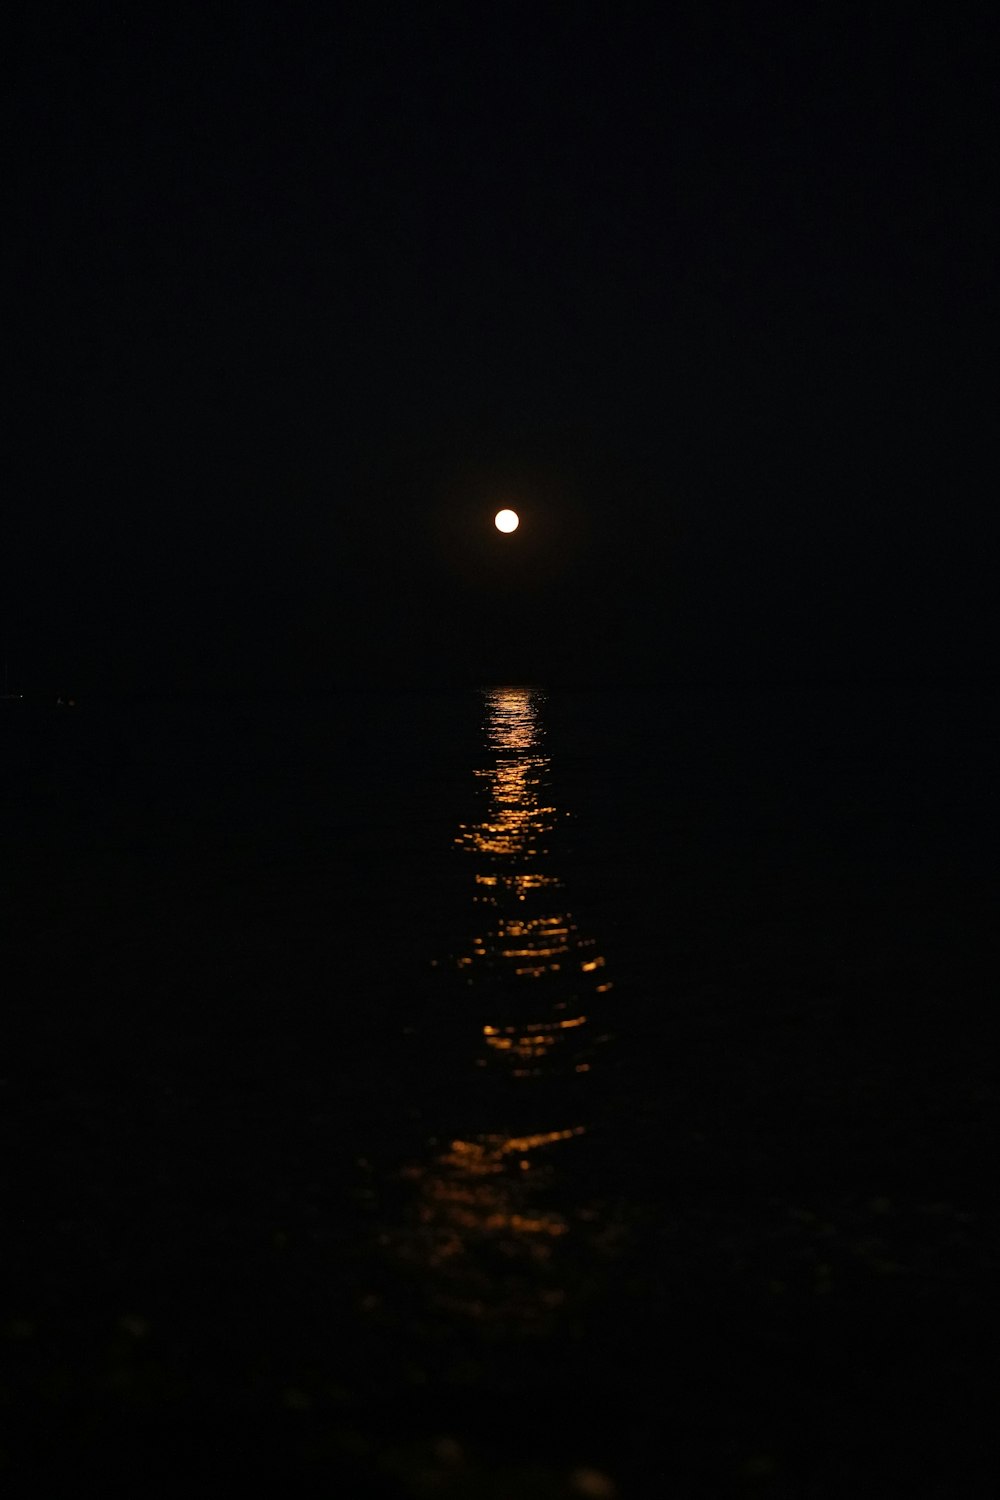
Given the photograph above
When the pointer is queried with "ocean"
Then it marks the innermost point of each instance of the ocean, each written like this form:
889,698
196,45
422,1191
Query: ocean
502,1092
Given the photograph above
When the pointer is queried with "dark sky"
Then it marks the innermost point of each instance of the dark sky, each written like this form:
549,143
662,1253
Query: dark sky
297,296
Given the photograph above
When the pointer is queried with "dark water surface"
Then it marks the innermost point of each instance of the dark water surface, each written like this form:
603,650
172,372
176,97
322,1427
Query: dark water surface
503,1093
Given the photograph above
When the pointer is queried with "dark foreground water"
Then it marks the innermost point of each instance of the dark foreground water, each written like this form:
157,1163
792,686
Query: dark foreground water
501,1094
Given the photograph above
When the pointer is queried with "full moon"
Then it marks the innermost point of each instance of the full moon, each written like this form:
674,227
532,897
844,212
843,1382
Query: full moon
506,520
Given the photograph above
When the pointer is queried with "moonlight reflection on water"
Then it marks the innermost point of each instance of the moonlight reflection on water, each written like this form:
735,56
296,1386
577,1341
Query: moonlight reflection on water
495,1226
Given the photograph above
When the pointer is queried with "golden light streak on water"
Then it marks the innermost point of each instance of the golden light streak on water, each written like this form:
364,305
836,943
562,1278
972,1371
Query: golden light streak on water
489,1213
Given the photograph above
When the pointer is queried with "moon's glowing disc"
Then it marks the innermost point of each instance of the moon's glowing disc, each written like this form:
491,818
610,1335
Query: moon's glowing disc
506,520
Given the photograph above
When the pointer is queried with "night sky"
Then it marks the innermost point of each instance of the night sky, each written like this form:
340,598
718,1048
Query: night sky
297,297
